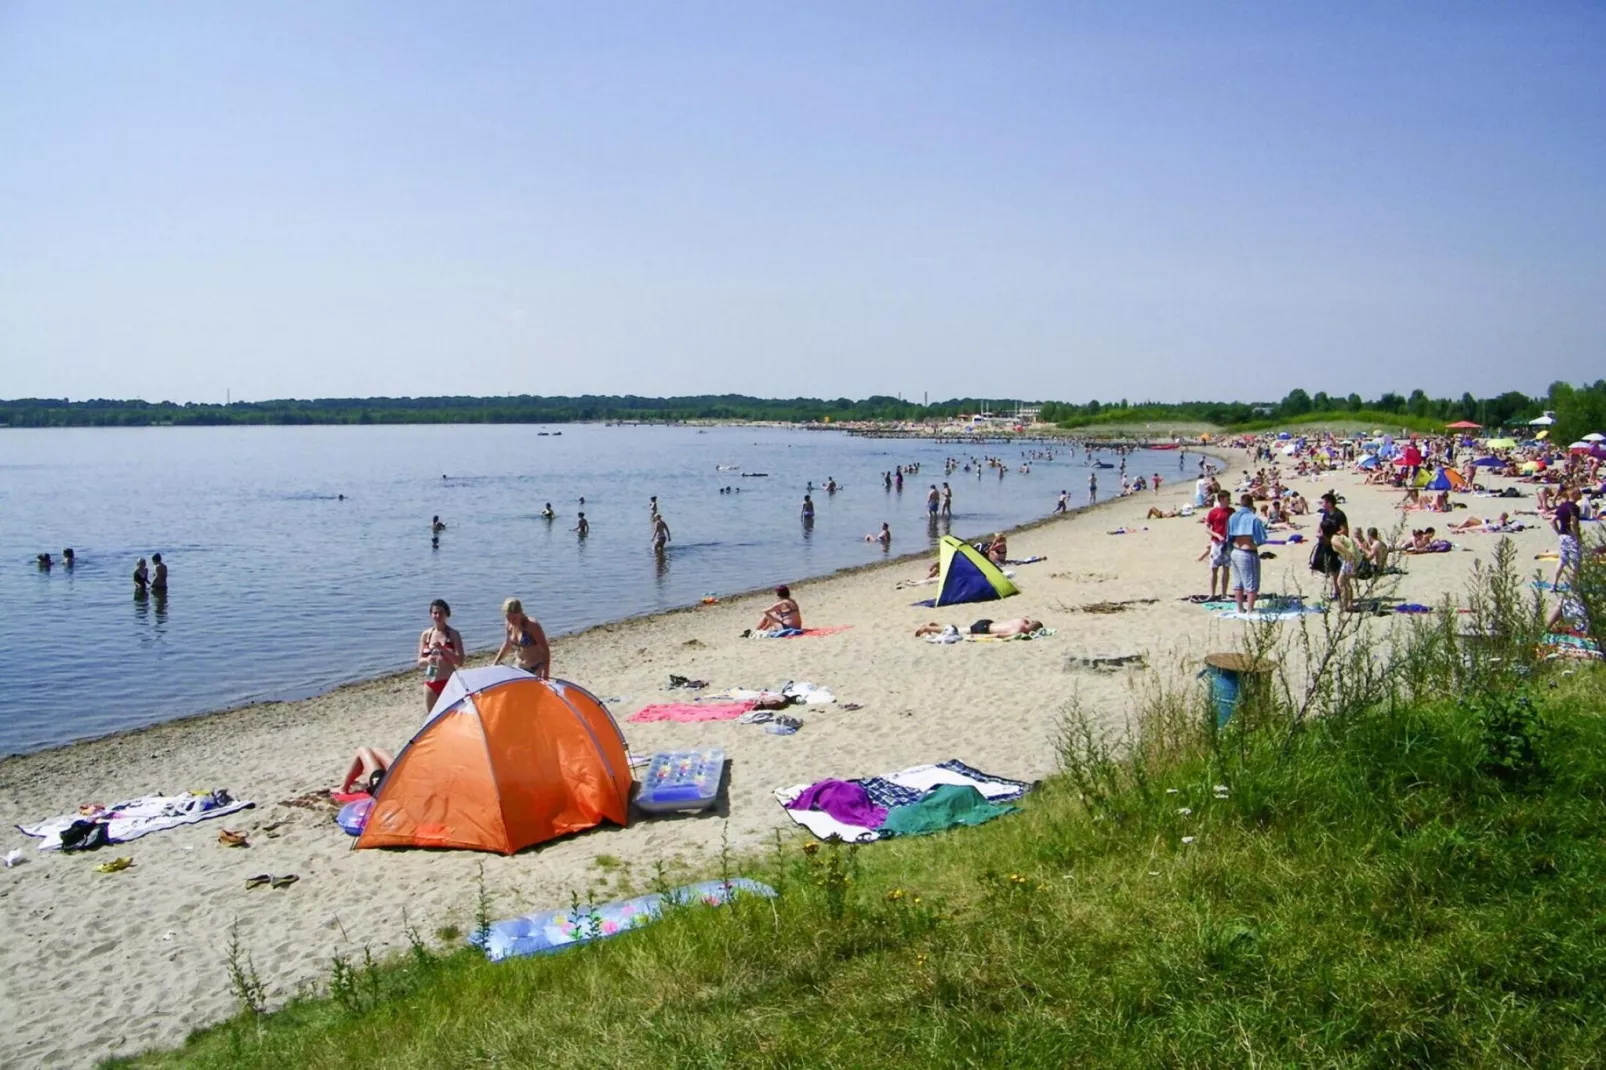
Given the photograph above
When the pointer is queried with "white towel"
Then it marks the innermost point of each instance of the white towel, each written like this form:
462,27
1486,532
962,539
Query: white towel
137,817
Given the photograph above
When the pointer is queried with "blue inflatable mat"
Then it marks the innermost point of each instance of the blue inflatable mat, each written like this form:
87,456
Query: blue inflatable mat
554,930
354,815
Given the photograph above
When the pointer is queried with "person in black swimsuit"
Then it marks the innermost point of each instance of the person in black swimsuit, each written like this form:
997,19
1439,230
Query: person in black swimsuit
526,639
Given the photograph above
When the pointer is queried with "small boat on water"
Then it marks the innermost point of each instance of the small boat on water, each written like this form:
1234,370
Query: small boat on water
542,434
726,467
1102,464
755,475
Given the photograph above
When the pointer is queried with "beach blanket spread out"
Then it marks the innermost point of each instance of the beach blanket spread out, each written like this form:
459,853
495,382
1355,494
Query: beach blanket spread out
687,712
554,930
95,826
911,802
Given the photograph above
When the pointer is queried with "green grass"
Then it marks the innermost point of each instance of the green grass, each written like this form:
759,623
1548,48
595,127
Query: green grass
1412,872
1365,420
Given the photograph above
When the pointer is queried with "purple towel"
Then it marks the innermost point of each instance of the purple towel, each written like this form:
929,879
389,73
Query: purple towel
845,800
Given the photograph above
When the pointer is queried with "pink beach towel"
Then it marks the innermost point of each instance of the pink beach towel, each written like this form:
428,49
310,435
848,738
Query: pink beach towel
831,629
687,711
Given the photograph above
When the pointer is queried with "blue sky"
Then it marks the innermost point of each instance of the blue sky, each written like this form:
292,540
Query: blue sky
1053,200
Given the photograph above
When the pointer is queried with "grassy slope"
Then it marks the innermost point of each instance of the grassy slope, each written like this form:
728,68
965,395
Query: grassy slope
1366,420
1370,893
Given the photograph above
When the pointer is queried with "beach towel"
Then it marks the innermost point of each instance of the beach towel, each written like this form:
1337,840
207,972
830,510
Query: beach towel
1555,645
1289,613
688,712
906,787
943,808
554,930
801,633
134,818
846,801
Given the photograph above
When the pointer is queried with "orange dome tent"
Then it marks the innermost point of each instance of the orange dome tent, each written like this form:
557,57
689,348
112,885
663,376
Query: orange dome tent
504,761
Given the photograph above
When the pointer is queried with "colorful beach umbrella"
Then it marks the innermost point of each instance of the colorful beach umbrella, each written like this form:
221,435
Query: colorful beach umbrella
1501,443
1463,425
1488,462
1595,436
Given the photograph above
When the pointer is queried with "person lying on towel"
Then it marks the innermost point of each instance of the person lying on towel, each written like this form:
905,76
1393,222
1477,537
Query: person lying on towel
367,769
1000,629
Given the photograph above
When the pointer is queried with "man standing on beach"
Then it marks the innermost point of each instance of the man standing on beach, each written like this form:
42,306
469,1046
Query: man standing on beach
932,498
1220,545
1247,532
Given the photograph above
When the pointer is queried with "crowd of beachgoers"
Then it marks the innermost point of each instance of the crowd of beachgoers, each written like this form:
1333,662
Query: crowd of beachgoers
1434,474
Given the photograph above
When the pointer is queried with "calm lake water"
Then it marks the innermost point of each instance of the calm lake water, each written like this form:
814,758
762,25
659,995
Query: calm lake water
280,589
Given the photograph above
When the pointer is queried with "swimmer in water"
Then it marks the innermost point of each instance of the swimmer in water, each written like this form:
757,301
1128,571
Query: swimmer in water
67,557
582,529
159,581
547,513
660,534
808,508
142,577
436,525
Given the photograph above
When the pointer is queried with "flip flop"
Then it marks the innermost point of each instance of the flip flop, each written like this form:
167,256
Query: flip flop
285,881
232,839
258,881
115,865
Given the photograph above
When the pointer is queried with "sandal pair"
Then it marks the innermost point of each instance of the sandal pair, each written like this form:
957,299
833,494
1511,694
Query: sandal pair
271,881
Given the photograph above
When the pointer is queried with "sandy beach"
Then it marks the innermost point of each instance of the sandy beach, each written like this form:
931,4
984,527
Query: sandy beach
100,964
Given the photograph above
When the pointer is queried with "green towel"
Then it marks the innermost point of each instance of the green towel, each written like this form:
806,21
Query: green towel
941,808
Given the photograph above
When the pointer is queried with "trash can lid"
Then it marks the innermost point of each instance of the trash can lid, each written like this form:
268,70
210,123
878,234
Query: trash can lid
1236,663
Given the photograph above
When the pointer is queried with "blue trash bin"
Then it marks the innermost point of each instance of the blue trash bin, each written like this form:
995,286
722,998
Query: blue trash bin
1230,677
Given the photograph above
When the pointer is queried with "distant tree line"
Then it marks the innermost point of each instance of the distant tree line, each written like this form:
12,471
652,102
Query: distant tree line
1579,410
522,409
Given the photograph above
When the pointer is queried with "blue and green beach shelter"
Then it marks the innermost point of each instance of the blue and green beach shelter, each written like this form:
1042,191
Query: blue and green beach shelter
964,575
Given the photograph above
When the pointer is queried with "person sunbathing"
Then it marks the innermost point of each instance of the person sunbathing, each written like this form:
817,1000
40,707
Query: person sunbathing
1000,629
1156,513
1425,541
783,614
998,549
368,768
1473,523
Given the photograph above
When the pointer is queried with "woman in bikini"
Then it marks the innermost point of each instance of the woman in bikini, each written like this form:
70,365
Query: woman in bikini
783,614
440,651
526,640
